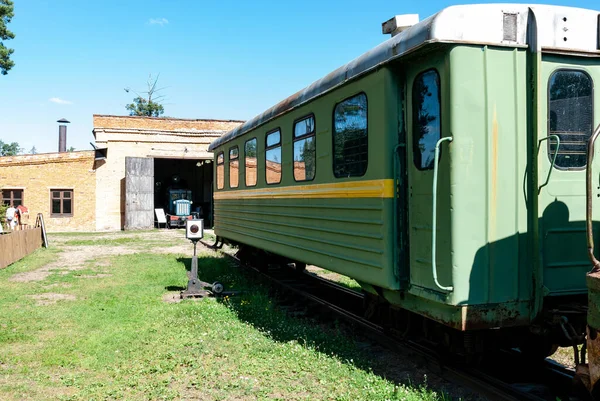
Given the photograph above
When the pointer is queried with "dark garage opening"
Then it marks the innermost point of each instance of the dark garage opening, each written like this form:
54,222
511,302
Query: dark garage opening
193,175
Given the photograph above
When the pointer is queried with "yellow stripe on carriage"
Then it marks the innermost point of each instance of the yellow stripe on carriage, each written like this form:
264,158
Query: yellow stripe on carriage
349,189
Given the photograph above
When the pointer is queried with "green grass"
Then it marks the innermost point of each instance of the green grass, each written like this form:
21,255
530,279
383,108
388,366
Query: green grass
340,279
136,241
78,234
105,241
118,339
40,257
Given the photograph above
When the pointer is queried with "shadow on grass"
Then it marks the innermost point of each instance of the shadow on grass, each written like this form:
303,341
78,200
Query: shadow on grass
187,262
263,306
174,288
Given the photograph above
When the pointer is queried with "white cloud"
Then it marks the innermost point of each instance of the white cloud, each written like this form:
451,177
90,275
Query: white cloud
58,100
158,21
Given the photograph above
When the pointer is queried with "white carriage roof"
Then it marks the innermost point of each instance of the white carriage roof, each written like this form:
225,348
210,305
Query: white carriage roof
562,28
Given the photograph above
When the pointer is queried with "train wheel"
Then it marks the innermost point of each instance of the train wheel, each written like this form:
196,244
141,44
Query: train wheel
217,288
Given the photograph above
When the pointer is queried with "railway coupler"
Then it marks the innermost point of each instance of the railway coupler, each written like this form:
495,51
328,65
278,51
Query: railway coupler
589,373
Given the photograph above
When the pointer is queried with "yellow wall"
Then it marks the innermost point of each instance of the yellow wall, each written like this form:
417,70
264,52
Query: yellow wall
38,174
127,136
99,188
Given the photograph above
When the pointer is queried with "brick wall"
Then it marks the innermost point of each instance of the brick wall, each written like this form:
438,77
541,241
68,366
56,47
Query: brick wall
38,174
164,124
99,186
126,136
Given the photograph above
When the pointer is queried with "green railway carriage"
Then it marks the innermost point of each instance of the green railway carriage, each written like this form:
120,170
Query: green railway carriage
491,232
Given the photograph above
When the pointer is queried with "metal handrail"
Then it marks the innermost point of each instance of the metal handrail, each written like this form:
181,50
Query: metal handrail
434,214
588,199
553,159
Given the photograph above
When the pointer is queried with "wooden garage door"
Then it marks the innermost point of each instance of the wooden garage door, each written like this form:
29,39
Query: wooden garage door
139,193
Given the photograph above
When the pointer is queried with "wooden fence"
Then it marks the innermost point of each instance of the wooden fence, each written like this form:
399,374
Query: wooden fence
16,245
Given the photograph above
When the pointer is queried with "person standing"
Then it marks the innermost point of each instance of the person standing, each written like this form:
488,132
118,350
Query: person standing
10,217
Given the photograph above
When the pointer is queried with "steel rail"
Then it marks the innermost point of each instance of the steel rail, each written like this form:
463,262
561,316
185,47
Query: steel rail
475,379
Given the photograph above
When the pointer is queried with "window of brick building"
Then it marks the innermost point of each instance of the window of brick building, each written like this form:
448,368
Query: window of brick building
14,196
61,202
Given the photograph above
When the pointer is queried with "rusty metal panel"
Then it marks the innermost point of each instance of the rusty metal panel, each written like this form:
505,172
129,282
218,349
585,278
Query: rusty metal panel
16,245
590,373
139,193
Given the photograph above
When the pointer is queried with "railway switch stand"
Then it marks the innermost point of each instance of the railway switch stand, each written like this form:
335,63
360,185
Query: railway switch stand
196,288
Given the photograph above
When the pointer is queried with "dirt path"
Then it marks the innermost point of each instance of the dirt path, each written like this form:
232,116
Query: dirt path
75,257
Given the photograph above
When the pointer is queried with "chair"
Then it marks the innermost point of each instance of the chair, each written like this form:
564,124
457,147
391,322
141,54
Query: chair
160,217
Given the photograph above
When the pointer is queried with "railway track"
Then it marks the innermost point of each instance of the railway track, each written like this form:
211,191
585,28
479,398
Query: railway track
510,377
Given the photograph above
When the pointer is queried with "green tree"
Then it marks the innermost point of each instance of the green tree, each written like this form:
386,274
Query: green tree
10,149
148,105
570,84
3,207
6,14
71,149
33,151
251,148
426,98
308,155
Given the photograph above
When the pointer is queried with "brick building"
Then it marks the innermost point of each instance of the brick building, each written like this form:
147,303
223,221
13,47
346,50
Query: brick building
61,186
177,147
173,151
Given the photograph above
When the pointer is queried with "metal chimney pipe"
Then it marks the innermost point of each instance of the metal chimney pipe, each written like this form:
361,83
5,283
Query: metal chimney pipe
62,135
62,138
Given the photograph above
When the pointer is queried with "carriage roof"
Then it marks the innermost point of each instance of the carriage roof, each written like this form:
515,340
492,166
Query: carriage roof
513,25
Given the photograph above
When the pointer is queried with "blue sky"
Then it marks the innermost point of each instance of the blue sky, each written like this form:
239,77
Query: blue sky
219,59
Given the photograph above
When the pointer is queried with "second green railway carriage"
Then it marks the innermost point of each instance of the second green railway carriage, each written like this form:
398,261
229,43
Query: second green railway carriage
491,232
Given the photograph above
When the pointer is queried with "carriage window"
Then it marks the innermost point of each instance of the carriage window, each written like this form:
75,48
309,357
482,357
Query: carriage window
350,144
304,149
234,167
273,158
570,116
426,118
250,162
220,171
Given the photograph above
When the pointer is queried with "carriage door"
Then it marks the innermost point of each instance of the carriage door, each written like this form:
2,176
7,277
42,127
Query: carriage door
568,114
424,115
139,193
